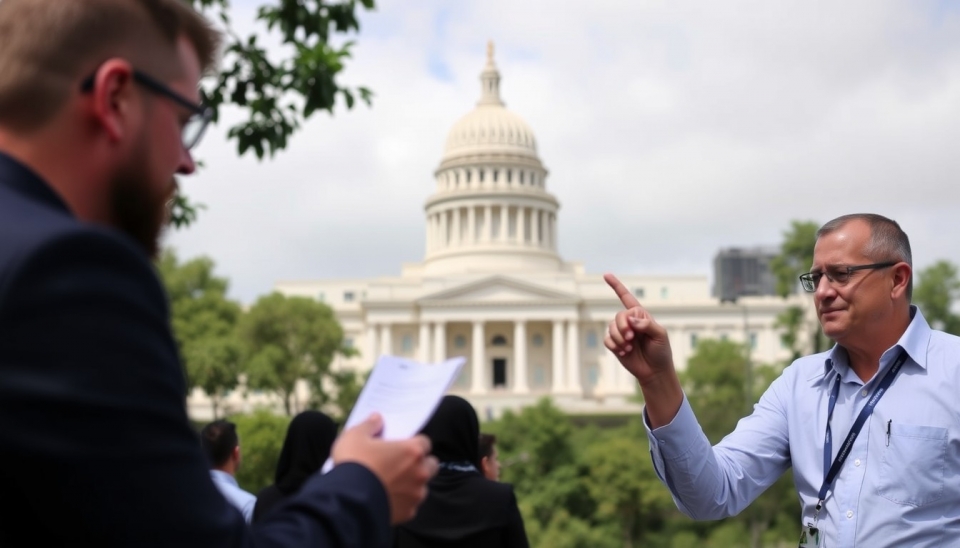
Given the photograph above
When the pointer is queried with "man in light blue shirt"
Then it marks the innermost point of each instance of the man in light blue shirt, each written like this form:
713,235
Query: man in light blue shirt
897,483
222,446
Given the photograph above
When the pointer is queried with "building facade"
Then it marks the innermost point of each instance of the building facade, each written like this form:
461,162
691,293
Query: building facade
493,288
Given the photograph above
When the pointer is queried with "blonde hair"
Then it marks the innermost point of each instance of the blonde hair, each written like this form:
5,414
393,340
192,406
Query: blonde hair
48,46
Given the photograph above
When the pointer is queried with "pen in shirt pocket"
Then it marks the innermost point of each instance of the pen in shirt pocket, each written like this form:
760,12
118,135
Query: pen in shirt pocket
889,422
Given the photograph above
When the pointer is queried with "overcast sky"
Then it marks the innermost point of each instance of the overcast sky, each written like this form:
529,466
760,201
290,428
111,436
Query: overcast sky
670,129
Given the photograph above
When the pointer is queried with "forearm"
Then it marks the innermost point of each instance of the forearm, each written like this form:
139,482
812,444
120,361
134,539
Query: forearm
662,398
714,482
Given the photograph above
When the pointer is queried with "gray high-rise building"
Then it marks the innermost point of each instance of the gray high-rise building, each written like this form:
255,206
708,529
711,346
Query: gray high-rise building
739,272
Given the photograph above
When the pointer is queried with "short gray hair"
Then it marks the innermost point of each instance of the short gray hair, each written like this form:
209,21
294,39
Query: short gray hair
888,242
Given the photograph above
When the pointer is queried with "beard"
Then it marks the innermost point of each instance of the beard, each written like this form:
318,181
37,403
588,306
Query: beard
137,210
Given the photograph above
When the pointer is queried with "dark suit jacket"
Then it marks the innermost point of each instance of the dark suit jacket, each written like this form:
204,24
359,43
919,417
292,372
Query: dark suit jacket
95,445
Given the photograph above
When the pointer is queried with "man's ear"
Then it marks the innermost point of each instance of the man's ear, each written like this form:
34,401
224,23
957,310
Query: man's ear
236,454
112,97
902,274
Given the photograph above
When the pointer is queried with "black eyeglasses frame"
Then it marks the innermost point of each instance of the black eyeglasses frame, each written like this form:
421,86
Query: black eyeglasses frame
203,113
811,280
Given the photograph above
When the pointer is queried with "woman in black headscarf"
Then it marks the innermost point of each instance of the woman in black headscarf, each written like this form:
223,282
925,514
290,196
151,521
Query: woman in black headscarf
306,447
463,509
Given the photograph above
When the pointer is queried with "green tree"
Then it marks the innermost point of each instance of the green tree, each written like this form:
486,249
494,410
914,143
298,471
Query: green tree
278,92
289,339
715,384
204,325
937,290
796,257
261,436
621,479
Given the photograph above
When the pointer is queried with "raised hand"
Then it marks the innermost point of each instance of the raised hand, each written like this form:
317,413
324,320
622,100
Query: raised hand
403,467
643,348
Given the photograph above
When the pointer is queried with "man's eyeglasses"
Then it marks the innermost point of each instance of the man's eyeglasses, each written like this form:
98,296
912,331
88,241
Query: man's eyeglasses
837,275
197,124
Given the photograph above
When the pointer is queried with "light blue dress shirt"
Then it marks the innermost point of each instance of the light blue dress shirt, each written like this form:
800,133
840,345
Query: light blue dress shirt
231,491
896,490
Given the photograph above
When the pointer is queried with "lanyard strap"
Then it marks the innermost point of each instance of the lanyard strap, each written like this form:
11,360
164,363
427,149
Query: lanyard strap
831,471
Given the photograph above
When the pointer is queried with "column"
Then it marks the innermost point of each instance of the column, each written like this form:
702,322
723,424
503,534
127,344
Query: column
443,230
504,211
608,371
477,365
424,343
559,385
386,340
521,225
372,349
535,227
472,225
573,357
520,357
488,224
439,342
455,237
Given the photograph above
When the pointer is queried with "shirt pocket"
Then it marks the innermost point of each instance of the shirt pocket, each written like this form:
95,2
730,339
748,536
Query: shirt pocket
912,464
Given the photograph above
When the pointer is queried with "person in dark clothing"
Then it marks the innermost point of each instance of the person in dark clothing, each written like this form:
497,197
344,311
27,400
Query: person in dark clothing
306,447
99,107
463,508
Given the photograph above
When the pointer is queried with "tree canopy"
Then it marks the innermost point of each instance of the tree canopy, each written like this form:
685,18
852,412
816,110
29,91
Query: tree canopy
204,324
936,292
288,339
278,90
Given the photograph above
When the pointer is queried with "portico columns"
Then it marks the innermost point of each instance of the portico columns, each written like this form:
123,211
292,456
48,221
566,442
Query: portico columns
439,342
386,339
424,344
573,357
476,361
520,356
559,384
372,350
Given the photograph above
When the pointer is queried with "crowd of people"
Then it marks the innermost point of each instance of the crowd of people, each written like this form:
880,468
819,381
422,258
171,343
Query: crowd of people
99,109
466,505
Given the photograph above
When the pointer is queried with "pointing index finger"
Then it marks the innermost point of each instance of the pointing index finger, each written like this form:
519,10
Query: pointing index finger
626,297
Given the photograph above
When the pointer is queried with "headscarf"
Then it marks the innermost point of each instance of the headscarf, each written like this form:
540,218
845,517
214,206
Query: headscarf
454,432
306,447
461,503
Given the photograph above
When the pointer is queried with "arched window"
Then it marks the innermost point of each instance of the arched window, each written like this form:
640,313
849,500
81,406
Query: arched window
521,177
481,175
509,176
496,175
498,340
468,176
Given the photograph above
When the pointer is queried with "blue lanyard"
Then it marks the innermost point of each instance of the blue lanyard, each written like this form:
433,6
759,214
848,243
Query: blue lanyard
831,471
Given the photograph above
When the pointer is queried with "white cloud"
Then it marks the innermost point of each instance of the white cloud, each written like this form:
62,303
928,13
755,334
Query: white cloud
670,129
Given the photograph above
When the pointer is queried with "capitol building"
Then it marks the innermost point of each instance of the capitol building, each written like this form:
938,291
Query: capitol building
493,288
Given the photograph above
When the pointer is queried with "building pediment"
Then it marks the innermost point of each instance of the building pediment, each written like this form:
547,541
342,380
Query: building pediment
497,289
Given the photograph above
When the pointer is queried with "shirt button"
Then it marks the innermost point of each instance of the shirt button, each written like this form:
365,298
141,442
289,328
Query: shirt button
856,462
863,392
849,514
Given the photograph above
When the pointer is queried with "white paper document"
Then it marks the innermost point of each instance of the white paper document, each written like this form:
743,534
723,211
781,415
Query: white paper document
405,392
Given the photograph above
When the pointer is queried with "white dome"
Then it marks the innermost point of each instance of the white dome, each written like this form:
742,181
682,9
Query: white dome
490,128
